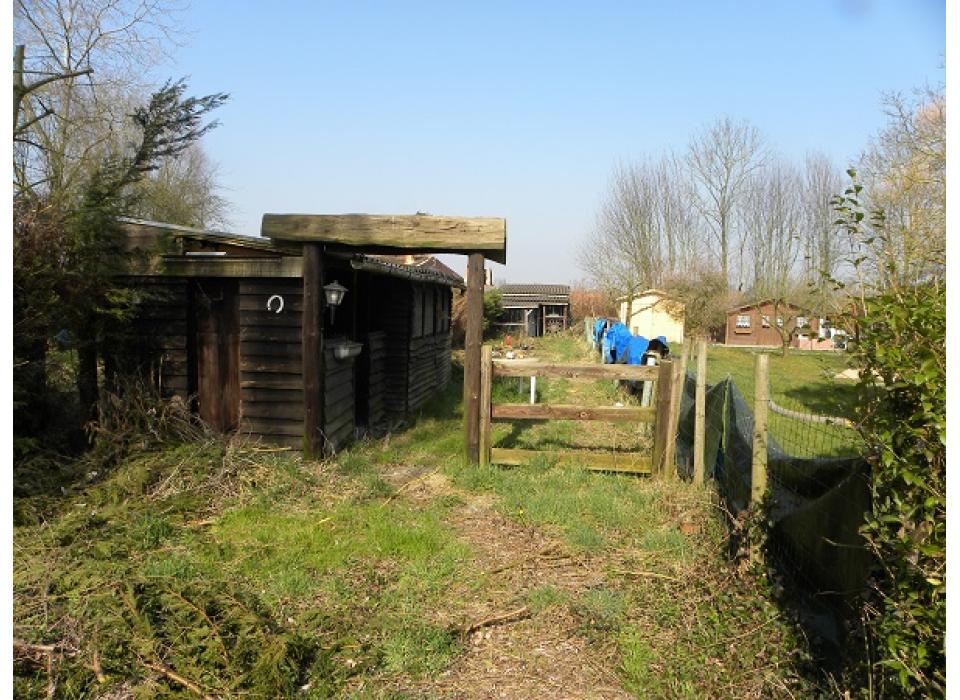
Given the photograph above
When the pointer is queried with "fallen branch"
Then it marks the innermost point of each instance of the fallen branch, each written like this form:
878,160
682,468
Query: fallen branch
22,646
518,614
648,574
164,670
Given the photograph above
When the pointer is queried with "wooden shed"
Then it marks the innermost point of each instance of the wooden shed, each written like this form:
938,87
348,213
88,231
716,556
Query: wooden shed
534,309
239,325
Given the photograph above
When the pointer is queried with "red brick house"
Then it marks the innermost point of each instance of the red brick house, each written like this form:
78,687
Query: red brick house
753,324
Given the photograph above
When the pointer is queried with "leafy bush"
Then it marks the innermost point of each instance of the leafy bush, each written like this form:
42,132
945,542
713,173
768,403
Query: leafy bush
903,355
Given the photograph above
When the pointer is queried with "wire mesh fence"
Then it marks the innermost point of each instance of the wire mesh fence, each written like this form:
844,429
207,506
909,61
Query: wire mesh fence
816,487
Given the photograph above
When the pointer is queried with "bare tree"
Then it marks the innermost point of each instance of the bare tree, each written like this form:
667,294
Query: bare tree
65,125
646,228
821,183
772,221
183,191
722,160
904,174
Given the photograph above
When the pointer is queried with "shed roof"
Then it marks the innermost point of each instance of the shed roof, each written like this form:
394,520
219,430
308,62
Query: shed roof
521,294
268,258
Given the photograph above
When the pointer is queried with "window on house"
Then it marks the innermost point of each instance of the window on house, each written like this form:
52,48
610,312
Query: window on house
765,321
743,321
780,321
801,321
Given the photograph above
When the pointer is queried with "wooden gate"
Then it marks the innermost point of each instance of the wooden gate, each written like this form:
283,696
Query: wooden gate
664,413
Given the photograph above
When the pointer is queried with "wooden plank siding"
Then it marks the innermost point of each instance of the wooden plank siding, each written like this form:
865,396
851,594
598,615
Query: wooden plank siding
158,347
376,349
271,372
339,401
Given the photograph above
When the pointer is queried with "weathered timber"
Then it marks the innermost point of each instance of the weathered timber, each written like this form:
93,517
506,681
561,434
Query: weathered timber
512,368
287,349
661,433
471,359
260,394
700,414
270,380
274,409
313,369
183,266
257,363
486,393
383,233
522,411
761,402
631,462
267,320
271,426
258,302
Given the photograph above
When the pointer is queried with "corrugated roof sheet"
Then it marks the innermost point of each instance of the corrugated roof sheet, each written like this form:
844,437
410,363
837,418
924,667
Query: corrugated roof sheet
540,289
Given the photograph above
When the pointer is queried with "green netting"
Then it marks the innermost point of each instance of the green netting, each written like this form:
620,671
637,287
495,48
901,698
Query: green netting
816,505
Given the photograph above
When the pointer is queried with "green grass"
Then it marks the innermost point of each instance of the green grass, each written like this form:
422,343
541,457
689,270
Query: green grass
802,381
254,574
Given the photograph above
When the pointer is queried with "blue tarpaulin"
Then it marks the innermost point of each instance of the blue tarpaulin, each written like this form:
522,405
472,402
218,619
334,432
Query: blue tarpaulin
635,349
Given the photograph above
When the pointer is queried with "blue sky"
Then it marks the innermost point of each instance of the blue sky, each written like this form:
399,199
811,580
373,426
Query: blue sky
521,110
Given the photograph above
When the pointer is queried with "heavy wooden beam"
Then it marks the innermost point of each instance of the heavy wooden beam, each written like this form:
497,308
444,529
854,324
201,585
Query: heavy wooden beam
520,368
397,234
313,356
471,356
522,411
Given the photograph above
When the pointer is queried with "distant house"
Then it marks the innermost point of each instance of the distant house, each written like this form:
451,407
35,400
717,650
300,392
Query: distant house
754,325
653,313
534,309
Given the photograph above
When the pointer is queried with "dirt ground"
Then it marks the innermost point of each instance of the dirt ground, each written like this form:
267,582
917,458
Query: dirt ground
512,650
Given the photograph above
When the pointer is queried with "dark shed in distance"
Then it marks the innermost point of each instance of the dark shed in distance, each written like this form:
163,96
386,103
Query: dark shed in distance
224,322
535,309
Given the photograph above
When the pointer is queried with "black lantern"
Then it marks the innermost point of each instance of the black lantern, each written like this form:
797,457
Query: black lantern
334,295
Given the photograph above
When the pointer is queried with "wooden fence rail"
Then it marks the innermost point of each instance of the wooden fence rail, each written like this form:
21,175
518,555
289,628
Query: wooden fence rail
664,415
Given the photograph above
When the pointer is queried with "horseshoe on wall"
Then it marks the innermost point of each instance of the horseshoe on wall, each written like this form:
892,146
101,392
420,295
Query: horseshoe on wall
279,300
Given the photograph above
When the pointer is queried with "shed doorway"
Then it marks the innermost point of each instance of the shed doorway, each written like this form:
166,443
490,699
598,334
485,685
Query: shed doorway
217,352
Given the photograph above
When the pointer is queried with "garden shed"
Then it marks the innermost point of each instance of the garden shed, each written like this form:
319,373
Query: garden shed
534,309
249,328
653,313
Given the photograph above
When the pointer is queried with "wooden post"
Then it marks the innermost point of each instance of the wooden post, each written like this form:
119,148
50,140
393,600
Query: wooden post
486,398
313,351
662,431
700,415
471,357
676,394
761,402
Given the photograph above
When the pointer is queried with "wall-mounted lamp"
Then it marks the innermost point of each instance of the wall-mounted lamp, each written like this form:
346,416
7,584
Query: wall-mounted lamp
334,293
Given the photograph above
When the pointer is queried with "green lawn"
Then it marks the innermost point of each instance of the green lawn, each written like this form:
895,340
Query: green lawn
803,381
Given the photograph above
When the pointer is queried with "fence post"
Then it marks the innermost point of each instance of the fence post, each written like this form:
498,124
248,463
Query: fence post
700,414
486,397
471,355
761,402
661,435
